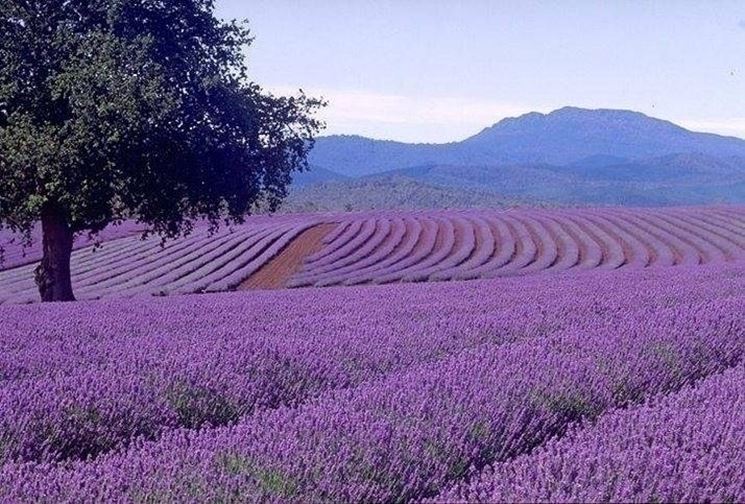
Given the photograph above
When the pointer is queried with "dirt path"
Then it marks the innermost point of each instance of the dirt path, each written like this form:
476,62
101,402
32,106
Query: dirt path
276,273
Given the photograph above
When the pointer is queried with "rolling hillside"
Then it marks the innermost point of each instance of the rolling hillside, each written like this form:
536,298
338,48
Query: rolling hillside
382,247
394,192
669,180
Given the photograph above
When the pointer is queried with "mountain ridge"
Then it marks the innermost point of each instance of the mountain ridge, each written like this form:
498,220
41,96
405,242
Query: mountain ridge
563,136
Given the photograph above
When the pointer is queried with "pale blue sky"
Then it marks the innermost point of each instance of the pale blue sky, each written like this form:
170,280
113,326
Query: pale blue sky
441,70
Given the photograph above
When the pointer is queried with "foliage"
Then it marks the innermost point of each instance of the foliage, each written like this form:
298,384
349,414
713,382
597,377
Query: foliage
112,109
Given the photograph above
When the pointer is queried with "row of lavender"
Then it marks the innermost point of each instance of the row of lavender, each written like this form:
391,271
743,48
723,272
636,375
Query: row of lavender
75,390
351,403
15,251
131,266
685,447
391,247
480,244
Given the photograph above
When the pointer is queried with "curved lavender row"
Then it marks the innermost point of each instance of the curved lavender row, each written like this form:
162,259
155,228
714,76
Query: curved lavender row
124,270
589,247
163,264
729,231
244,271
140,249
82,260
106,282
504,249
165,274
381,253
25,290
351,232
368,229
366,253
334,233
484,249
686,447
729,243
547,251
78,271
732,223
738,212
738,222
612,249
566,239
686,253
711,247
444,246
422,249
81,256
463,247
413,231
645,247
526,250
16,255
660,252
567,246
197,270
227,263
120,272
407,436
638,254
721,228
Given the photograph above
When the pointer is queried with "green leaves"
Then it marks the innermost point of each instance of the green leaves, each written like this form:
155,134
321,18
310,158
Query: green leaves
112,109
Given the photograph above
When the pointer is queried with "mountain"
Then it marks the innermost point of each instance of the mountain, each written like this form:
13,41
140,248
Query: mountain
565,136
570,134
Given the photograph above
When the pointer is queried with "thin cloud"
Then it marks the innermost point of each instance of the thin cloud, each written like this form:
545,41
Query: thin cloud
407,118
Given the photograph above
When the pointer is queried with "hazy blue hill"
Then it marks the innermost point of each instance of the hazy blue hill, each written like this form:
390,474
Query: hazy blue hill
668,180
565,136
570,134
674,168
316,175
599,160
356,156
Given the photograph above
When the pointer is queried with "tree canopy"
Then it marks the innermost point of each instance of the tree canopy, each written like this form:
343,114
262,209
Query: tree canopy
117,109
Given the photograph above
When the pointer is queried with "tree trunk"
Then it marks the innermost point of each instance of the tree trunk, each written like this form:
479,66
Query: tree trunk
53,274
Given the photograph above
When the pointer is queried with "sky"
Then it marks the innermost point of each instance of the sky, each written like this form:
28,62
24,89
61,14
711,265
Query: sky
442,70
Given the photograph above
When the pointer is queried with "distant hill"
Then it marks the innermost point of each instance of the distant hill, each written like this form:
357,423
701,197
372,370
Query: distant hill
392,192
316,175
668,180
561,137
571,155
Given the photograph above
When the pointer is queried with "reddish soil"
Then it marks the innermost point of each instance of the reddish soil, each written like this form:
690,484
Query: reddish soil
275,273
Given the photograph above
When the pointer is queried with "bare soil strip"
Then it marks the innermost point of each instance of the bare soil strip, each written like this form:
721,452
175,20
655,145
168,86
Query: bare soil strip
275,273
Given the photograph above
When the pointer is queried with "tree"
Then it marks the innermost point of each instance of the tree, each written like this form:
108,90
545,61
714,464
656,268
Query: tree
118,109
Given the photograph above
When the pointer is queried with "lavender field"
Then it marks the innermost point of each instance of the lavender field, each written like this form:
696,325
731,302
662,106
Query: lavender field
592,386
318,250
394,252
